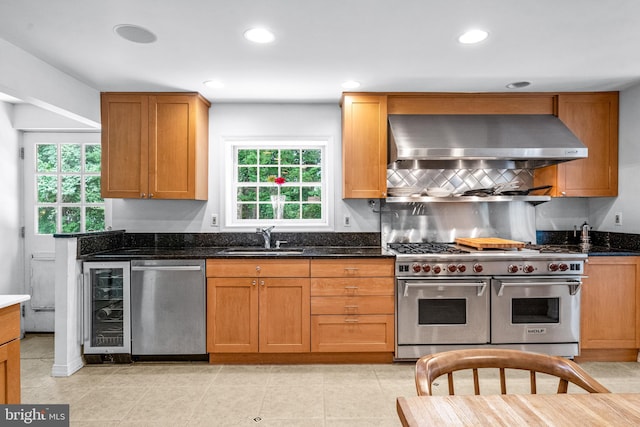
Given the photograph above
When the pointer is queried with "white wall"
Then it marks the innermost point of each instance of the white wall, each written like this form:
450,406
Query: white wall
249,120
11,251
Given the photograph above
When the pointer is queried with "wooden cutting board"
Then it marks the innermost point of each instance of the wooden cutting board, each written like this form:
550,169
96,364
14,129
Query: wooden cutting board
489,243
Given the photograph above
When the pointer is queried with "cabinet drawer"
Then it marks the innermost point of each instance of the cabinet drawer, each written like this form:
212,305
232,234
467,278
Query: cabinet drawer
349,286
353,305
9,323
352,333
353,267
258,268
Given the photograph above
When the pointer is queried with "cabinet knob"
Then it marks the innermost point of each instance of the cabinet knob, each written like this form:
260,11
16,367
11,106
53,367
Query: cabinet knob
261,282
143,195
254,282
151,195
258,268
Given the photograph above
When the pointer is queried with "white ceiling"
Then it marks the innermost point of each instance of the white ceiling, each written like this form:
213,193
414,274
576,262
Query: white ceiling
387,45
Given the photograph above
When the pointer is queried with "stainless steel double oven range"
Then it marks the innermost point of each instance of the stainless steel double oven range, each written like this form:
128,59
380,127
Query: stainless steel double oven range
451,297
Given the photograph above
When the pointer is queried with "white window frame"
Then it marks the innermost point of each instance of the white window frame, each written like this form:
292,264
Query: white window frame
231,145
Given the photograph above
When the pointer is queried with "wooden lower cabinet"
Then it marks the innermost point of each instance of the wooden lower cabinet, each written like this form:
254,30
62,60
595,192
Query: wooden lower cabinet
10,355
610,309
260,313
352,305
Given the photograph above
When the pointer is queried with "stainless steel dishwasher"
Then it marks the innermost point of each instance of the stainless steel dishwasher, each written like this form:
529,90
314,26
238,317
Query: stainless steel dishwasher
168,307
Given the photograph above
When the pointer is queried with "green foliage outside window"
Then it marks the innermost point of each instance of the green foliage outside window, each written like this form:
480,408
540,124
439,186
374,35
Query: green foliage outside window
68,188
300,167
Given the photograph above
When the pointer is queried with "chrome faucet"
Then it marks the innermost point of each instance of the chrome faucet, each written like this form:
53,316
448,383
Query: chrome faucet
266,234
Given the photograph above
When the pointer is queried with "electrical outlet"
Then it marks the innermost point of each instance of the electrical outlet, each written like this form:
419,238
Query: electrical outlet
618,218
214,220
346,221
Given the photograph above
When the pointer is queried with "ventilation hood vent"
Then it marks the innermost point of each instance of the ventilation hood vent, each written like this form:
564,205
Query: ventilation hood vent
480,142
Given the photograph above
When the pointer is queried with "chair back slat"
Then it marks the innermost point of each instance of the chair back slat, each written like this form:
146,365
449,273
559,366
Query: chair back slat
430,367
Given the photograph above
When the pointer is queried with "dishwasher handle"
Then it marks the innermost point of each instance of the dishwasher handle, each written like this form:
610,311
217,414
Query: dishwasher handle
166,268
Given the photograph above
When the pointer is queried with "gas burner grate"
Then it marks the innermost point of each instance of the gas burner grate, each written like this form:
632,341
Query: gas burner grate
425,248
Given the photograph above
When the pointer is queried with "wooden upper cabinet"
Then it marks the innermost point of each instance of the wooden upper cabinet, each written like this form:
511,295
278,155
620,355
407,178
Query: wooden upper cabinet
155,145
471,103
364,146
593,118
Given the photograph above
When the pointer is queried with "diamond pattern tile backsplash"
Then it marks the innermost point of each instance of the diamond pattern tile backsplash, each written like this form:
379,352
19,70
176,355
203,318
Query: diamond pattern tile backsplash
458,180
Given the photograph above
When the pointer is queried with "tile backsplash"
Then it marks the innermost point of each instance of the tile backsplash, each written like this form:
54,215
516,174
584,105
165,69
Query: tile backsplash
458,180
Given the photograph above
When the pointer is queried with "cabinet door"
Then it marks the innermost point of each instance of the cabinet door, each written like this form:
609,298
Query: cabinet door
285,315
173,142
232,315
610,300
125,145
593,118
364,146
10,373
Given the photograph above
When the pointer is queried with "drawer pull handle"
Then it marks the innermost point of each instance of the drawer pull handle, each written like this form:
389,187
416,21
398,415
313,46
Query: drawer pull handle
351,287
351,307
351,268
350,320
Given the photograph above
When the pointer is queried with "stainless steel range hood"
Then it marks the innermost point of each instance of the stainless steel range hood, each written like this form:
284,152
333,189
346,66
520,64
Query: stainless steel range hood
480,141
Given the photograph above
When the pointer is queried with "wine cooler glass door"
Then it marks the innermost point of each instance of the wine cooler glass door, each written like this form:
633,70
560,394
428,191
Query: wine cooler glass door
107,317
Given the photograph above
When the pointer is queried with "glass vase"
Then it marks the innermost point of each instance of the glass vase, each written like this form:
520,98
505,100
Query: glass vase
277,203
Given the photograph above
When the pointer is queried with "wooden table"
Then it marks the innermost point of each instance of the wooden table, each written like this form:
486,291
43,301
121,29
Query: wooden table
597,409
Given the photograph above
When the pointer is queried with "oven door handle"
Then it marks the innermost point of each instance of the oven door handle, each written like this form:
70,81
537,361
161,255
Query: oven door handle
574,285
481,285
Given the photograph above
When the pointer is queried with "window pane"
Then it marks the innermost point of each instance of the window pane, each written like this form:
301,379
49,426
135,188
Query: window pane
47,189
94,219
311,211
265,173
311,194
265,211
247,157
247,194
291,211
311,174
247,211
92,154
311,157
71,189
290,157
292,193
70,220
291,173
246,174
92,190
269,156
46,220
46,158
266,192
70,156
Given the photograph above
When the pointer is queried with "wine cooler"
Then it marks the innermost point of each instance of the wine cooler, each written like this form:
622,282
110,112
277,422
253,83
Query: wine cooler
107,312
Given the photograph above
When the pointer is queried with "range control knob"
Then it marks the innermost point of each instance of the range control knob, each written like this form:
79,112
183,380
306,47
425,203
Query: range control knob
477,268
563,267
528,268
437,269
553,267
462,268
452,268
512,268
416,268
426,268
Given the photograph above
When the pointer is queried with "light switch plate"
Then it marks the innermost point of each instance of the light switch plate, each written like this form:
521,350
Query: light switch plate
214,220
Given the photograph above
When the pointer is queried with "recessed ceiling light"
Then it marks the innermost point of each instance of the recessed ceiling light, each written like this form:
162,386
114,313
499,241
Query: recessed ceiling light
473,36
518,85
350,84
259,35
214,84
135,33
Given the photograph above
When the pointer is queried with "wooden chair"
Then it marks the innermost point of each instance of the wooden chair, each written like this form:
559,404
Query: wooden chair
432,366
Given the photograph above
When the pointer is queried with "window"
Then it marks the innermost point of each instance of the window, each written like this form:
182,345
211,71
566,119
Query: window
67,179
282,181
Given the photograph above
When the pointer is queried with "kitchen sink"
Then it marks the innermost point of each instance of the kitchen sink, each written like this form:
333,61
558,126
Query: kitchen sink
261,251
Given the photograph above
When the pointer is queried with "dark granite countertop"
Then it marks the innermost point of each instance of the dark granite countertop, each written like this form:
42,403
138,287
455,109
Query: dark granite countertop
220,252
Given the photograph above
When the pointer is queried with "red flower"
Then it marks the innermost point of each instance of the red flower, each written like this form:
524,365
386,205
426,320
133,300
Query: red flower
279,180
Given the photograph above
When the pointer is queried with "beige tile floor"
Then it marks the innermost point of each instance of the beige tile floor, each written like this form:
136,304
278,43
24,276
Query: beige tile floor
199,394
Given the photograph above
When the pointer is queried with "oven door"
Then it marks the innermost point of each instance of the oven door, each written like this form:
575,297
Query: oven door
442,311
541,309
